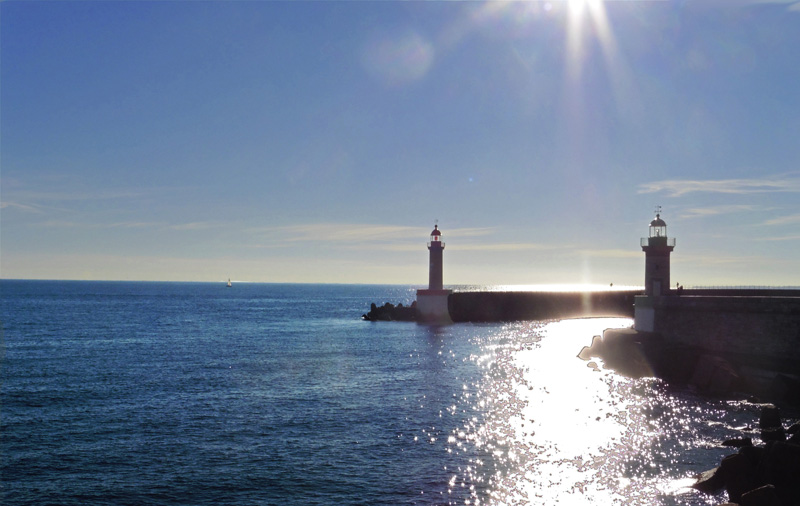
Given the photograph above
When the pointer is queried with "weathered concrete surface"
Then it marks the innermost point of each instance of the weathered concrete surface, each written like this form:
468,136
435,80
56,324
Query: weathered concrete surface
516,306
432,306
759,332
713,351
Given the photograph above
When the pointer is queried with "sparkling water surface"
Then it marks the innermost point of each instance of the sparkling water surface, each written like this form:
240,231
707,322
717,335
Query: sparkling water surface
195,393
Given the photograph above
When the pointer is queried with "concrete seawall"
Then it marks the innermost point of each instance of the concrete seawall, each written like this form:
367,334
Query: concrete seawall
516,306
716,342
756,331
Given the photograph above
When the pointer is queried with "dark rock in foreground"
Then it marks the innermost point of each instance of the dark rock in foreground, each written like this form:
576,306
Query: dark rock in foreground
766,475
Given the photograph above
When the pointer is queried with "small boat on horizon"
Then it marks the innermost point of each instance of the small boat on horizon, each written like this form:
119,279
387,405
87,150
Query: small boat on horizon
229,283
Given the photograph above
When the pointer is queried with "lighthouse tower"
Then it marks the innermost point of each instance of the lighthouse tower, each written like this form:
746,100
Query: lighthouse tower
432,303
436,247
657,248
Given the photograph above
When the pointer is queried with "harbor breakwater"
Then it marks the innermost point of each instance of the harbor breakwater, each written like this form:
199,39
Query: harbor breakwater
520,306
719,344
718,340
762,331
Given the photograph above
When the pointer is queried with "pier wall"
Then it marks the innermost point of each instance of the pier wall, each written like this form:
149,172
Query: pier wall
516,306
761,331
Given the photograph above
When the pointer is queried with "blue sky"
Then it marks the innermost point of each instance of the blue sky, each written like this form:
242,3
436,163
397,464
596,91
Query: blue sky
319,141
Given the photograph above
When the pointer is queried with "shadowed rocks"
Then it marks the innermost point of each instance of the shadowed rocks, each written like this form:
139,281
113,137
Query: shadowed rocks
767,475
390,312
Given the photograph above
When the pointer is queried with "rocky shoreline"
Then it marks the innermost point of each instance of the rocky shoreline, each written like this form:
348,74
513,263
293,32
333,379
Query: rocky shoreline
763,475
390,312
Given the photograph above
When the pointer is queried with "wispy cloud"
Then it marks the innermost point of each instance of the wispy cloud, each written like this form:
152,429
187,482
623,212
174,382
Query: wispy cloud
339,232
158,225
703,212
60,196
57,192
506,247
784,220
87,225
680,187
355,232
719,259
197,225
22,207
780,238
791,5
612,253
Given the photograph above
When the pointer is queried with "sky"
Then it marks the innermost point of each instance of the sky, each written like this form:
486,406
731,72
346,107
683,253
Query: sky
319,142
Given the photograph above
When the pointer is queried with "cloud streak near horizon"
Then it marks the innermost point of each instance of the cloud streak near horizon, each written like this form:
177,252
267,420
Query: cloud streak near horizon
784,220
349,232
680,187
703,212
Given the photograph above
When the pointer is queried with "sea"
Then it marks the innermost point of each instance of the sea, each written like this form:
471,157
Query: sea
151,393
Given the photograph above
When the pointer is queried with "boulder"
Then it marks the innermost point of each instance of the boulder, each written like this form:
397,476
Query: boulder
621,350
770,417
715,375
710,482
390,312
595,350
762,496
770,423
759,475
739,473
738,442
773,434
785,388
780,466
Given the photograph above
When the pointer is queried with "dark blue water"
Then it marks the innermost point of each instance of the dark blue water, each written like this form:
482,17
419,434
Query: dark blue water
194,393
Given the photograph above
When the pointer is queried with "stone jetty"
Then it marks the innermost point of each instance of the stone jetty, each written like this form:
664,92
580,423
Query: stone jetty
695,364
517,306
521,306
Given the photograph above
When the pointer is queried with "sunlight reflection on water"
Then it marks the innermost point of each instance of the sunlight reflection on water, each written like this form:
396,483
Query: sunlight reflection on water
555,431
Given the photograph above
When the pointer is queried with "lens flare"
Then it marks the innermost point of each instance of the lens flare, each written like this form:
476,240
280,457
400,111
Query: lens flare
399,59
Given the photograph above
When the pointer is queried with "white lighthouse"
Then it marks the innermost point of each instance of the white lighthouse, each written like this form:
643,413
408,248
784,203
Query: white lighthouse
432,303
657,247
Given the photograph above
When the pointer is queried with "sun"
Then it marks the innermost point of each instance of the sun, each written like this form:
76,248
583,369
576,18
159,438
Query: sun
587,11
586,26
578,7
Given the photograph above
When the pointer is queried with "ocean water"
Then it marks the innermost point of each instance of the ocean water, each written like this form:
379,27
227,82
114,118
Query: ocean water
268,394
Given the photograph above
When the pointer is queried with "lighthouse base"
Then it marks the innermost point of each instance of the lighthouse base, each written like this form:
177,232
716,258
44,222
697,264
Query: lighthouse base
432,306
